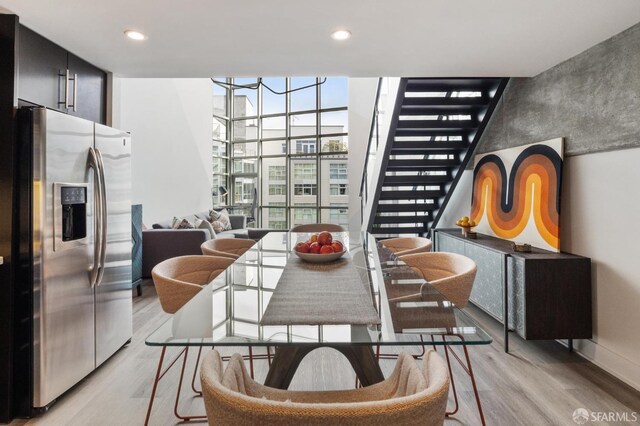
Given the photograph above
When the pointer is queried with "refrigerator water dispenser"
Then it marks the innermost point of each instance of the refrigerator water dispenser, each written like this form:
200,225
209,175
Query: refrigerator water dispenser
74,212
70,215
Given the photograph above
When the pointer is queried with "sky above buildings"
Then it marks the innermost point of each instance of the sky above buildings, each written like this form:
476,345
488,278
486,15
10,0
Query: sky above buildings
333,93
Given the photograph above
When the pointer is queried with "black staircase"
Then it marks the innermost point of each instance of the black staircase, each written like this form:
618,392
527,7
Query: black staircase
436,126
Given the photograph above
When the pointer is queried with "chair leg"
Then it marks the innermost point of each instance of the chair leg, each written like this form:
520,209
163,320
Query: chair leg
473,383
251,360
175,407
155,385
453,383
469,370
195,373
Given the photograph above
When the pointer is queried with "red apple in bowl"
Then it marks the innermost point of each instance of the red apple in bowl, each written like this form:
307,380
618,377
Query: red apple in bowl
325,238
337,246
302,247
326,249
314,248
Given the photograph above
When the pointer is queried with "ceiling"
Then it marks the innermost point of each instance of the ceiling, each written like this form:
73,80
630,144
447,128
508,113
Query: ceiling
428,38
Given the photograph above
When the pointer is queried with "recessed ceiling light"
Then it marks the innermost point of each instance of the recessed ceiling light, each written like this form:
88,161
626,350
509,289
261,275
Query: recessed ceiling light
135,35
341,34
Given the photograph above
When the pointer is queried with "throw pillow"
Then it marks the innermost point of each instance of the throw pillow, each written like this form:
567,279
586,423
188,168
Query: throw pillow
203,224
217,226
222,216
177,223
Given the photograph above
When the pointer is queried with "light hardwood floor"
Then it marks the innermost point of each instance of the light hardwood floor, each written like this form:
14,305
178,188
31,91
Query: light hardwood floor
537,383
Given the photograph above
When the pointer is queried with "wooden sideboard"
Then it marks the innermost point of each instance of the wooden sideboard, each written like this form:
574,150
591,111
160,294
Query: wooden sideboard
545,295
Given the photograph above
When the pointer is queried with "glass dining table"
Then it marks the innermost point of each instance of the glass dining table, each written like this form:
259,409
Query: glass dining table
229,311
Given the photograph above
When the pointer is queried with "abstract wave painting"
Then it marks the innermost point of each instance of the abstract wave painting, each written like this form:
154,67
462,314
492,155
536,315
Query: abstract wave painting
516,194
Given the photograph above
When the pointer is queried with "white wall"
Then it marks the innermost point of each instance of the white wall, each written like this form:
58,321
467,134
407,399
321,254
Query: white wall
460,202
362,96
171,128
599,219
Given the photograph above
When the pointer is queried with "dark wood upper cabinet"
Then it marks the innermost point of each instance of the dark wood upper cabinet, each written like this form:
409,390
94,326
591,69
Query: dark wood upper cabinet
43,80
88,93
41,64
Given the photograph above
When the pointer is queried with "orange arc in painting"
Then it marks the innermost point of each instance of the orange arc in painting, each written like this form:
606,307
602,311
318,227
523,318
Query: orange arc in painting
533,190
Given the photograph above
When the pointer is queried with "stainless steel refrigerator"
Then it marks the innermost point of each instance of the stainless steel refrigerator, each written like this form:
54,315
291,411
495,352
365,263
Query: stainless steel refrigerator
78,218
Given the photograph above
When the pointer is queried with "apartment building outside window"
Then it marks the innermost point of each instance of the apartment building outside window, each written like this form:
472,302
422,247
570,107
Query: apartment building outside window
277,189
277,173
339,189
291,147
303,171
338,171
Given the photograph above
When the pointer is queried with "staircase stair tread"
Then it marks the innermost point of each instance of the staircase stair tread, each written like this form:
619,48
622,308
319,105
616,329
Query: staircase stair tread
415,179
402,219
400,230
411,162
453,102
428,146
437,124
464,133
404,195
425,109
406,207
466,84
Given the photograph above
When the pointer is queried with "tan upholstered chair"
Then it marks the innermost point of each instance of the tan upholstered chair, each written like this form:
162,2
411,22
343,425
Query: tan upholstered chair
410,396
450,273
407,245
226,247
318,227
178,279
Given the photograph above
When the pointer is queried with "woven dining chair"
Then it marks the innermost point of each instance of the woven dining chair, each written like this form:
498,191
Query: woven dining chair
407,245
451,274
410,396
226,247
178,280
318,227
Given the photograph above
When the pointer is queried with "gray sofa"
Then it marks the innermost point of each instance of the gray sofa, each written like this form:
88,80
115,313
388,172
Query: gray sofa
162,242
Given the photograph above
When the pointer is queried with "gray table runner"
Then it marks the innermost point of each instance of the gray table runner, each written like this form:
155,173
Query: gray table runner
320,294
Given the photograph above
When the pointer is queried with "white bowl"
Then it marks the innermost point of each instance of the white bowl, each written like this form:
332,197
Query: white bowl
320,258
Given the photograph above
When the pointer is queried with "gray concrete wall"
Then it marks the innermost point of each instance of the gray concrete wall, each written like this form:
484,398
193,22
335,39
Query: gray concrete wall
592,100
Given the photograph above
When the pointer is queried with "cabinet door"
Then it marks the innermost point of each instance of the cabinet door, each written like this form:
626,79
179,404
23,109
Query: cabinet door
487,288
449,244
41,63
88,90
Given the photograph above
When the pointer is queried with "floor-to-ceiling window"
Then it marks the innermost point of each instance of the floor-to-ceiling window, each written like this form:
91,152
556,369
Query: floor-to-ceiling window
220,144
289,141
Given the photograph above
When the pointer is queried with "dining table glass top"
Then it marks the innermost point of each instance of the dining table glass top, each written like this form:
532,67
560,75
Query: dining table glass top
229,310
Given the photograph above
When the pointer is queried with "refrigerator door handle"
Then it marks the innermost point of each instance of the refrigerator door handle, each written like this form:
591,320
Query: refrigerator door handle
93,163
103,218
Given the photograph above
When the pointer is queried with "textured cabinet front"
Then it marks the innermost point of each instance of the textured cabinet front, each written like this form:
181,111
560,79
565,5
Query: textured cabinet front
449,244
517,308
487,288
